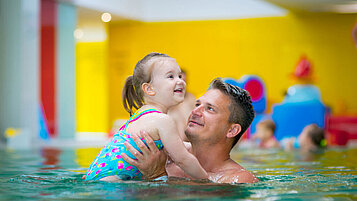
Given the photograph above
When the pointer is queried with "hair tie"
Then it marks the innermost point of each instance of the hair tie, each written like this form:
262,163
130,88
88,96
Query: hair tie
323,143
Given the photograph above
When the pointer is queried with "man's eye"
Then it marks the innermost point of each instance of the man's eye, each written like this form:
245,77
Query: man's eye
210,108
170,76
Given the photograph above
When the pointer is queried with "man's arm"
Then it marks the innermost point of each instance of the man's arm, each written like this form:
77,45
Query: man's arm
151,161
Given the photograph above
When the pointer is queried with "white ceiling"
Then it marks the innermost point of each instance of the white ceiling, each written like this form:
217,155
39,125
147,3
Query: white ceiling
93,29
181,10
190,10
332,6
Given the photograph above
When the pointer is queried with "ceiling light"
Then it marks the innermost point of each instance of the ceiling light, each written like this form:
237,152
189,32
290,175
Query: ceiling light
106,17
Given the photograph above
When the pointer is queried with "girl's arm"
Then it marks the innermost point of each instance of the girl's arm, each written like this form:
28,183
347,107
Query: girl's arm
176,149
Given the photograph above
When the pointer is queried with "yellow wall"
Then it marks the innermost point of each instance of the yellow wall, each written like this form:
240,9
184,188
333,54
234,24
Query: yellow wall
92,87
268,47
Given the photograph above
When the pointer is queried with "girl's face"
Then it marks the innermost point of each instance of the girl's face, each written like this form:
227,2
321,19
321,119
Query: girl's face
167,82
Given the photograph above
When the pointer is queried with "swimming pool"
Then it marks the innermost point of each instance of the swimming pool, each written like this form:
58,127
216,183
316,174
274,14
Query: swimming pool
55,174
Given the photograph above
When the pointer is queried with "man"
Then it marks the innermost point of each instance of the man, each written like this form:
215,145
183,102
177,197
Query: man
219,119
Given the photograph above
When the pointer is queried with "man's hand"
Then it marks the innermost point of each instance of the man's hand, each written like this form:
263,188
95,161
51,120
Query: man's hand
151,161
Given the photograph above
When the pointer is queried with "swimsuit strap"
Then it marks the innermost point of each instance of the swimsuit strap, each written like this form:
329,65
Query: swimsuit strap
137,116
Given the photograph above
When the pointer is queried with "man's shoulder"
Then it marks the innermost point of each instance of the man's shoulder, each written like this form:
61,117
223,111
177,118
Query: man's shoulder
234,173
239,176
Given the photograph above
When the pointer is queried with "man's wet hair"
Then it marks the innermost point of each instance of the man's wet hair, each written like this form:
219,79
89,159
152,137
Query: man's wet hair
241,108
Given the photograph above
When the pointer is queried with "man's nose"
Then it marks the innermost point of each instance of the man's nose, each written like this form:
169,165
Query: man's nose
197,110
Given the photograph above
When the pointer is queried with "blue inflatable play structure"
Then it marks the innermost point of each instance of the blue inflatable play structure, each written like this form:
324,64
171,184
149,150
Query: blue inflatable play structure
301,106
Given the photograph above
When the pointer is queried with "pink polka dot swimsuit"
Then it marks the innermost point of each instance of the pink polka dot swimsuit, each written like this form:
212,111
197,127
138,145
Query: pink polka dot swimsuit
109,162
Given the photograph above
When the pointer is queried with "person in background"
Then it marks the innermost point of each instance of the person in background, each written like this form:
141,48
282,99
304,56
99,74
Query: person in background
265,134
219,119
182,111
311,139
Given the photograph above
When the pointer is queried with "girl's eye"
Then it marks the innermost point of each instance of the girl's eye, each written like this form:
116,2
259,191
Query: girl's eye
180,76
170,76
197,104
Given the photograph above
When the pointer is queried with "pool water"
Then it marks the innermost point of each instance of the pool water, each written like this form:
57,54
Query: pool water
55,174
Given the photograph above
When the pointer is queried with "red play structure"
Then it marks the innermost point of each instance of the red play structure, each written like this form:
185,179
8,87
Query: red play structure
341,129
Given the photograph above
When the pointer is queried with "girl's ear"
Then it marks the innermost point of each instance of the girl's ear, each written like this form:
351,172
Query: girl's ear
234,130
148,89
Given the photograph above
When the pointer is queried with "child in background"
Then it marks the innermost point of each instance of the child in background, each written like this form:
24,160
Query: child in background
265,133
155,86
311,139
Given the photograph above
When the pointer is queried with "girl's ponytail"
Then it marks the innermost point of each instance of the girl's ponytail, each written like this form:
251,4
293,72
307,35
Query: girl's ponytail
130,97
132,93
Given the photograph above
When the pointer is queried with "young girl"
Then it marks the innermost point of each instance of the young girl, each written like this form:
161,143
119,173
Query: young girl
155,86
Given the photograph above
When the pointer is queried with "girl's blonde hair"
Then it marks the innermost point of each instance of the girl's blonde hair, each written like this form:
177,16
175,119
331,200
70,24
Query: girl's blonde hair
132,92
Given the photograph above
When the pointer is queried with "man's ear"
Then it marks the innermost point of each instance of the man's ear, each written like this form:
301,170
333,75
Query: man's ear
234,130
148,89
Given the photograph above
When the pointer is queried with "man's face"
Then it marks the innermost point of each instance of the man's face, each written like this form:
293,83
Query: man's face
208,122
